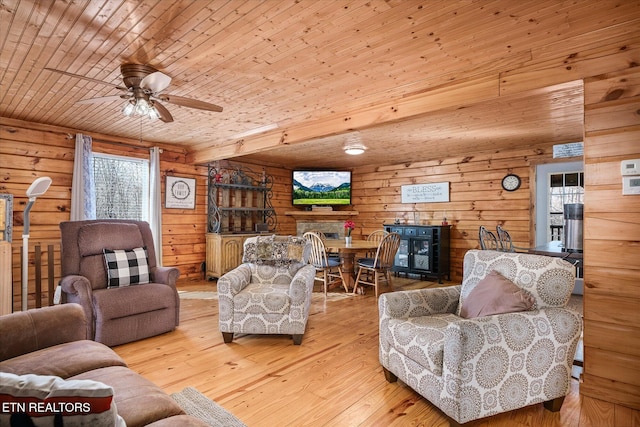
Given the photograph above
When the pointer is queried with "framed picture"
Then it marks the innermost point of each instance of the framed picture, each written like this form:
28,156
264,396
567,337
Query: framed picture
180,193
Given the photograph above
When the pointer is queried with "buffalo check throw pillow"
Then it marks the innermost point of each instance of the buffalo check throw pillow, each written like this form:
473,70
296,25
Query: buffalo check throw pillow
126,267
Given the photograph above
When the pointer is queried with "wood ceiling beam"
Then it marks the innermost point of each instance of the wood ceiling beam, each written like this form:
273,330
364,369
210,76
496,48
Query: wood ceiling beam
460,94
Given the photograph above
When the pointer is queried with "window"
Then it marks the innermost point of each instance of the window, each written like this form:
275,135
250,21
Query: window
557,184
122,187
564,188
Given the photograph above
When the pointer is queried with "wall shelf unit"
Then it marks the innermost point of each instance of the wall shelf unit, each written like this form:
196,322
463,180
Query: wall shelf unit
239,199
239,207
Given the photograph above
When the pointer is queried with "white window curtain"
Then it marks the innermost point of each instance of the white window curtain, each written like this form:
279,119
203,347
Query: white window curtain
155,202
83,193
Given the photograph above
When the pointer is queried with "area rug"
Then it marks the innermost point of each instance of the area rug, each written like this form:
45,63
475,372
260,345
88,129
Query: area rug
332,296
200,406
197,295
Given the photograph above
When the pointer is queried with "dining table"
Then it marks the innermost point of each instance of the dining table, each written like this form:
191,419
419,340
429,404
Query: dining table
347,253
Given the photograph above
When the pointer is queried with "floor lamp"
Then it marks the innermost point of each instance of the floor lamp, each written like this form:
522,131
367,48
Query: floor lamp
36,189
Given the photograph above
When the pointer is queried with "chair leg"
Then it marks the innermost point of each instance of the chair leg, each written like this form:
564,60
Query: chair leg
297,339
389,376
227,337
554,405
388,274
326,281
355,284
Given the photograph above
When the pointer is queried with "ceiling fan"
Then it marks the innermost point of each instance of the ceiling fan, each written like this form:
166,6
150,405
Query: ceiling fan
143,86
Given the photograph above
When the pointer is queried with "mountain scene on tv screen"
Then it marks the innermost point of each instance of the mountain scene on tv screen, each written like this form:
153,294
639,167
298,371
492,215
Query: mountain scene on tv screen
321,192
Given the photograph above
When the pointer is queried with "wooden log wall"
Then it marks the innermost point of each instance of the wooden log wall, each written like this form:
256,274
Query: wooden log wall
29,151
611,240
476,197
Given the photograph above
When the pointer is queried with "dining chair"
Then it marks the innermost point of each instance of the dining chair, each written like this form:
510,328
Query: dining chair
328,269
505,243
323,236
488,240
380,265
377,237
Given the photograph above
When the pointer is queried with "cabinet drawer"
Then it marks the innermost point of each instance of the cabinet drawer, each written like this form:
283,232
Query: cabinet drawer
425,231
398,230
410,231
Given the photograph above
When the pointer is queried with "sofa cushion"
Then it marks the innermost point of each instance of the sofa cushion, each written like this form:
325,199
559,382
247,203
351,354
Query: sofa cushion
114,303
94,237
263,298
139,401
421,339
126,266
63,360
495,294
50,400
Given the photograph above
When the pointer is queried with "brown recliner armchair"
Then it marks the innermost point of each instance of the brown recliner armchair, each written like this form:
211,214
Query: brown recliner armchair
116,315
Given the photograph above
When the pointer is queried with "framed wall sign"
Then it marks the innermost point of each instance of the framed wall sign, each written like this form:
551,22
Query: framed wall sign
425,193
180,193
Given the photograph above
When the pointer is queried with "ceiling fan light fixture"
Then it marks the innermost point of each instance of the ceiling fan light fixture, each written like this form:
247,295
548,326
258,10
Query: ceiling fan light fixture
129,108
140,107
153,114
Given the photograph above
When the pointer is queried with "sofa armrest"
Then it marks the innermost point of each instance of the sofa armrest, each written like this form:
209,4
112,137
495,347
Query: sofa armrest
419,302
302,286
165,275
28,331
230,284
77,289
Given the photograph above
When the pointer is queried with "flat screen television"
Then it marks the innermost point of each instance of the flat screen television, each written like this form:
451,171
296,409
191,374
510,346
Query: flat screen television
321,187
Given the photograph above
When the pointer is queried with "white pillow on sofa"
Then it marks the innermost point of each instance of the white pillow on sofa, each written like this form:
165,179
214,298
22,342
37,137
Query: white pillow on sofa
44,398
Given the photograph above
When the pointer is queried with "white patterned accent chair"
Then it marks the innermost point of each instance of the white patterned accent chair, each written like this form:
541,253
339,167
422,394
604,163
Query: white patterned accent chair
476,367
270,292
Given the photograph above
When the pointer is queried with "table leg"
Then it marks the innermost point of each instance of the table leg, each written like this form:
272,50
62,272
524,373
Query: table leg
346,266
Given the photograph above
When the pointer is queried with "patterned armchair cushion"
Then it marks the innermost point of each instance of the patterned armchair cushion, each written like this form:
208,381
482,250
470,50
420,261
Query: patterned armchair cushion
280,251
259,298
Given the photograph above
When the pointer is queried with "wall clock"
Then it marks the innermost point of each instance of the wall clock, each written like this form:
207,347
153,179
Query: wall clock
511,182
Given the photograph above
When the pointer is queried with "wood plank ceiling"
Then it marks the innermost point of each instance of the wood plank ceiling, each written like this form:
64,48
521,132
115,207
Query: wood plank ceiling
291,74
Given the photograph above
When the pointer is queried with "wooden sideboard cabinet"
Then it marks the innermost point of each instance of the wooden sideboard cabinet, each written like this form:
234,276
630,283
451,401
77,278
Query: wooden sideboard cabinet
224,252
424,250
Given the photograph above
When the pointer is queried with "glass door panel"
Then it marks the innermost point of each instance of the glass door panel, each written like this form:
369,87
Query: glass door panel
421,254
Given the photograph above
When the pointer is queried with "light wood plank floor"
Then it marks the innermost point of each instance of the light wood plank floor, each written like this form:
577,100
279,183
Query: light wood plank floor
332,379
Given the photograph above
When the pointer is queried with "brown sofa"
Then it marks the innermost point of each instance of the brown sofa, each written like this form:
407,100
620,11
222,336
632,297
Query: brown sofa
52,341
116,315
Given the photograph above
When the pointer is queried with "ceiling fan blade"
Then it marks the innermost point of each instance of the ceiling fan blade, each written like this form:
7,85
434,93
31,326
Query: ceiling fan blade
102,99
165,115
124,89
190,103
156,82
